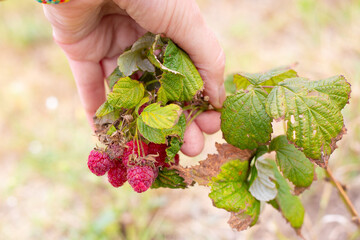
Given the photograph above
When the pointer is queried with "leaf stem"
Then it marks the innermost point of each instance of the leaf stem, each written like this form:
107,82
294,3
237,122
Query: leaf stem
187,107
193,117
267,86
151,82
345,197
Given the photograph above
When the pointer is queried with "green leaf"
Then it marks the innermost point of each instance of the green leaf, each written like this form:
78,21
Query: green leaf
275,76
179,129
263,188
244,121
159,117
158,44
261,150
171,88
104,109
229,190
111,130
269,78
177,60
114,77
336,87
243,80
313,113
292,162
159,135
151,134
290,205
130,62
136,58
127,93
144,42
173,149
169,179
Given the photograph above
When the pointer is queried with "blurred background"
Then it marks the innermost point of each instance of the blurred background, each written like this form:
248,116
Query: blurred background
46,190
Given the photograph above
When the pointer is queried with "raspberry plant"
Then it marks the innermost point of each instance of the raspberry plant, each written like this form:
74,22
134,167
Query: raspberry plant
142,123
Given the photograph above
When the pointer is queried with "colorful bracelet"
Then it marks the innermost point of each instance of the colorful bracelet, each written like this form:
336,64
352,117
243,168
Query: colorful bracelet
52,1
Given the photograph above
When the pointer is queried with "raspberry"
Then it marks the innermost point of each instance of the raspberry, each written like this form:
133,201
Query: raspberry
141,178
117,175
176,160
133,149
99,162
161,150
115,151
141,109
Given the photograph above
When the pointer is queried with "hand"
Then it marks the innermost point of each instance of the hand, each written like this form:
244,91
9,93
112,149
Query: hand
94,33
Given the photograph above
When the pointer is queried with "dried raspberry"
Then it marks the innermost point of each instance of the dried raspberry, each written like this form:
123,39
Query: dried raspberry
99,162
115,151
141,177
117,176
133,149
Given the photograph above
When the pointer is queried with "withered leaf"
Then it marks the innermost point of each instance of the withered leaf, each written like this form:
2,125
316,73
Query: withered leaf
240,221
210,167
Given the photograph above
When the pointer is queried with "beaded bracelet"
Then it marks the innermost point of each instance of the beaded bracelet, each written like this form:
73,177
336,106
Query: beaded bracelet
52,1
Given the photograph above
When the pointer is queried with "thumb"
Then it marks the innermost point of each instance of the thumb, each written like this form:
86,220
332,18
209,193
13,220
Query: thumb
181,20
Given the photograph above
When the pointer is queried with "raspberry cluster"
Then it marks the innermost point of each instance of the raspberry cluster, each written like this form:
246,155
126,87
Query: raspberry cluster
138,163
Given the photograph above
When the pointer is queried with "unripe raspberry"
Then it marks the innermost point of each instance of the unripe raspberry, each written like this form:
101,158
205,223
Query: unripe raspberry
141,178
133,149
99,162
117,176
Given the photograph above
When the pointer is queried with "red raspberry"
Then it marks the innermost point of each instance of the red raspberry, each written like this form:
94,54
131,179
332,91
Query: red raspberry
133,149
141,109
117,176
160,149
141,178
99,162
176,160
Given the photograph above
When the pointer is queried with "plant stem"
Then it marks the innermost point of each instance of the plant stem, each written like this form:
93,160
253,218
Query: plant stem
345,197
268,86
151,82
193,117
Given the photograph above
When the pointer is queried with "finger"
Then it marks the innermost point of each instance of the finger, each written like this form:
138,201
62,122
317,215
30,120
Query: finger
76,19
90,84
193,141
209,122
181,20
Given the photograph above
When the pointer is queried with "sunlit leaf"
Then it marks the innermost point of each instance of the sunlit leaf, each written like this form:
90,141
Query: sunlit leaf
127,93
160,117
313,113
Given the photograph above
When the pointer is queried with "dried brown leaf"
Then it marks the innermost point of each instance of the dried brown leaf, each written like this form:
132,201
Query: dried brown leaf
240,221
210,167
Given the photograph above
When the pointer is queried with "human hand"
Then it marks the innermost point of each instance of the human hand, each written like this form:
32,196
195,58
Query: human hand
94,33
